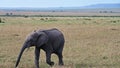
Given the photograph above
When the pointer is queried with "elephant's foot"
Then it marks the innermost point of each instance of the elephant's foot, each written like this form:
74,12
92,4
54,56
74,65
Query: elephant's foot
51,63
61,64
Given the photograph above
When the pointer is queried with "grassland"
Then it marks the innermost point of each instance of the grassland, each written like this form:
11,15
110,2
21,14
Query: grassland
91,42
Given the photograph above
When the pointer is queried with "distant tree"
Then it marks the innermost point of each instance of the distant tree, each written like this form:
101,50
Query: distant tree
11,13
105,11
53,11
7,14
111,12
100,11
26,16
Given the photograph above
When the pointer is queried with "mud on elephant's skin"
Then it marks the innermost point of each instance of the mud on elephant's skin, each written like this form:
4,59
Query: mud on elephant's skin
51,41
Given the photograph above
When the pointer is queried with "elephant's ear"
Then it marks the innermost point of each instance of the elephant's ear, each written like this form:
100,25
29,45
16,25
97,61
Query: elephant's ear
41,39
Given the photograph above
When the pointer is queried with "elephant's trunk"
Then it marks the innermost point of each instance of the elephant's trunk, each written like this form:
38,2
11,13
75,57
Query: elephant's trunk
20,54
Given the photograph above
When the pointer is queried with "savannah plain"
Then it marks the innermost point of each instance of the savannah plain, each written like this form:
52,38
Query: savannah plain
90,42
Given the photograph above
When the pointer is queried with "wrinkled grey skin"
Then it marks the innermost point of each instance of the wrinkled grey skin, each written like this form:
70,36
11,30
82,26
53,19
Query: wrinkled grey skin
51,41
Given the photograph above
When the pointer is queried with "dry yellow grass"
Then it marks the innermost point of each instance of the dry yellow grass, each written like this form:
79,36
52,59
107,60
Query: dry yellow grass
91,42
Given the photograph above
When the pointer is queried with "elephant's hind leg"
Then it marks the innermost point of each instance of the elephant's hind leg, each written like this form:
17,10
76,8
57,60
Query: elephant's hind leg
60,58
48,58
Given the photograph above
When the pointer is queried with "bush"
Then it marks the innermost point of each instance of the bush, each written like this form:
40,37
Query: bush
1,21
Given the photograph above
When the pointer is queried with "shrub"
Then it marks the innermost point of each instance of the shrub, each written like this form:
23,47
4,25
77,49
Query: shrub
1,21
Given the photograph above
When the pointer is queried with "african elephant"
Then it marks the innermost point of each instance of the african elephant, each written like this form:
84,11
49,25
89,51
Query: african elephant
51,41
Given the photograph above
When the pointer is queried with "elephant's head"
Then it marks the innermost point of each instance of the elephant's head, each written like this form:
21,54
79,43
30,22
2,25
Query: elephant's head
36,38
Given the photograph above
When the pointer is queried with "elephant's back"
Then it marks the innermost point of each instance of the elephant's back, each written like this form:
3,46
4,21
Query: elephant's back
54,35
53,32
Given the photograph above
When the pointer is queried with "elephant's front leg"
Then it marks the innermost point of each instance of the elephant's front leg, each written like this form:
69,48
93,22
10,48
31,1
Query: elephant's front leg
48,58
37,54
